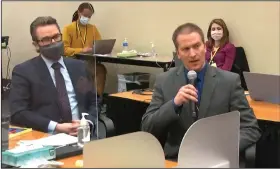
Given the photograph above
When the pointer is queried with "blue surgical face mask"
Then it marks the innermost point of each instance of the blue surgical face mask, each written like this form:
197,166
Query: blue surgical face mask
84,20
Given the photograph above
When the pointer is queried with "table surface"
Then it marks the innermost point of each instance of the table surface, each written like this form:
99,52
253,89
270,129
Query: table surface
263,110
68,162
165,59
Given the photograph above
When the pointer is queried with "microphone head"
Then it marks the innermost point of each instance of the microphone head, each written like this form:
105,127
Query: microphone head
192,75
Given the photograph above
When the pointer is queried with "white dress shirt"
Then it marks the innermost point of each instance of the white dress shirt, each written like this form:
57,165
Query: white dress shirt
69,88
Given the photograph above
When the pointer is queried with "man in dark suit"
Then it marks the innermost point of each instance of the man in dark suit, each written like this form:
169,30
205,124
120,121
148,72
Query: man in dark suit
49,92
216,91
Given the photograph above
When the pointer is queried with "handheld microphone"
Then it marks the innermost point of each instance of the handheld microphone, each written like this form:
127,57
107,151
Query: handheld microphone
192,77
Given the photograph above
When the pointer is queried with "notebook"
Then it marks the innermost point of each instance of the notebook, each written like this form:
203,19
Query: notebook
16,131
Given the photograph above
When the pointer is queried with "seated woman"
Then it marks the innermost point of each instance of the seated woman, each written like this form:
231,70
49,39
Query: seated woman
79,36
220,52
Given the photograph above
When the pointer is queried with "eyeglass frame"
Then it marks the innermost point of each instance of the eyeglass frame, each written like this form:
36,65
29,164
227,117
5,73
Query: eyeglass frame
50,40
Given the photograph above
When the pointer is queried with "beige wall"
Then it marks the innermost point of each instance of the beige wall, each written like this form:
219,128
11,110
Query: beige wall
253,25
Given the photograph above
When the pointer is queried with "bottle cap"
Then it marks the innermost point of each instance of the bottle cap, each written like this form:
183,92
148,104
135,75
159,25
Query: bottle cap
84,120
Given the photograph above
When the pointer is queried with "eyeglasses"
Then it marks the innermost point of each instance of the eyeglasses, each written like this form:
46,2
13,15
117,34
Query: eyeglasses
49,40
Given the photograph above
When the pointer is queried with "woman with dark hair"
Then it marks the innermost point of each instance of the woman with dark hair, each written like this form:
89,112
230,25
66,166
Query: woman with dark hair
219,51
75,16
79,37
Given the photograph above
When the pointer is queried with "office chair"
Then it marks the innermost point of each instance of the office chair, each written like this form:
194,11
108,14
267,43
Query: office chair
247,158
250,156
106,127
240,65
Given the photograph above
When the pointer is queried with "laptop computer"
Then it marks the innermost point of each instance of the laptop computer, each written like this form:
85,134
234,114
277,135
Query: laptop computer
103,47
263,87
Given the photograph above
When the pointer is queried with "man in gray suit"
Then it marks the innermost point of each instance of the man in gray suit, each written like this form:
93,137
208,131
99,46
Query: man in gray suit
216,91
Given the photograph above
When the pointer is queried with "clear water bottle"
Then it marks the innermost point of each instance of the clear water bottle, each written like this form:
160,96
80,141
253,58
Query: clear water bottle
125,45
153,50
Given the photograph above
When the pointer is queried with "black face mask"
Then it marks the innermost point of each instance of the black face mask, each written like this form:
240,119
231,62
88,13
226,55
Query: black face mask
52,51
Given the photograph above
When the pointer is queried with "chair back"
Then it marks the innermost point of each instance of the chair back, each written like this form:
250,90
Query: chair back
105,127
240,65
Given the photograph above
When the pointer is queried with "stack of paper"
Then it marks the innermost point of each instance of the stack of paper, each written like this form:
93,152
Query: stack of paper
60,139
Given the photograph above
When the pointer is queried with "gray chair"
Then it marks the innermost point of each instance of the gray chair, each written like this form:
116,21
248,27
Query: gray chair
247,159
250,157
106,127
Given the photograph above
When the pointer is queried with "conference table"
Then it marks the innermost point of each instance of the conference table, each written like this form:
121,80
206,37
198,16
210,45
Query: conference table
164,62
263,110
126,110
68,162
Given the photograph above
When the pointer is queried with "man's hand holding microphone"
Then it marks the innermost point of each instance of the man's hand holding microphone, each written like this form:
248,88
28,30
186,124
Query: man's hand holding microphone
185,94
188,93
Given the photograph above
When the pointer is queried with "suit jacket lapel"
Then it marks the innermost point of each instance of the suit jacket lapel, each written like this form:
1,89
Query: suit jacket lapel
45,76
180,79
208,88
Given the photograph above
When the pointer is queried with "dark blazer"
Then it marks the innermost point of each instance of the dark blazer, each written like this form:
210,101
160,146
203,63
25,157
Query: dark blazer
222,93
33,97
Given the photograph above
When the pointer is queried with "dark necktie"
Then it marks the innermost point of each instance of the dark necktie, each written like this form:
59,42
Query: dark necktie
62,94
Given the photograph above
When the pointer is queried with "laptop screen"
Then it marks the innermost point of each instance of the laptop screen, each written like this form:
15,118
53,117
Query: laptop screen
103,46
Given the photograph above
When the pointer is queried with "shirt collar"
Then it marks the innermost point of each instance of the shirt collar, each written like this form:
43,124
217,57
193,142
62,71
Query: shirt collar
49,62
200,74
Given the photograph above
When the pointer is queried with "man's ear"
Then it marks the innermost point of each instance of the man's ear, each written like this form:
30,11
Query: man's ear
35,44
